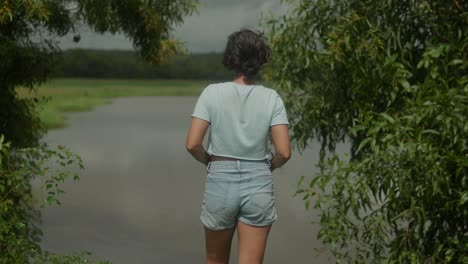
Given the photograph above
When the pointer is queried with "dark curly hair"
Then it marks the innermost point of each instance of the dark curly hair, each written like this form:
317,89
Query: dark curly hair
246,51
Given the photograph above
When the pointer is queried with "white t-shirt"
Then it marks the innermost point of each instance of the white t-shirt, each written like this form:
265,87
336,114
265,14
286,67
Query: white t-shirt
240,117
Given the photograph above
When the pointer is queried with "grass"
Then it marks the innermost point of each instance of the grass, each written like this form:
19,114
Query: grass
59,96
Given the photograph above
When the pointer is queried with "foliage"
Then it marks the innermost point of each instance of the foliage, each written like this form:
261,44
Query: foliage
147,23
119,64
18,118
390,77
19,230
28,52
28,49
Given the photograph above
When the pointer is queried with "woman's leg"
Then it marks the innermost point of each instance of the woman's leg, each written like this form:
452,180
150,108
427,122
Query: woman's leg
252,243
218,245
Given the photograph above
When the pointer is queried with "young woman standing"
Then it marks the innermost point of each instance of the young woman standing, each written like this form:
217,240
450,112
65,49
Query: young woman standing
239,185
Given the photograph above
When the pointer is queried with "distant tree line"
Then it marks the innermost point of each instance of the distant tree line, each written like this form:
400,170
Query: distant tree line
90,63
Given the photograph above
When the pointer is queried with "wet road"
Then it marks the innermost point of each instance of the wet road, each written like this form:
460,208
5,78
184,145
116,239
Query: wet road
139,197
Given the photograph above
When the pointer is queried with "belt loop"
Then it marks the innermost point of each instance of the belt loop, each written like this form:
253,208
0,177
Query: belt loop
269,163
208,166
238,165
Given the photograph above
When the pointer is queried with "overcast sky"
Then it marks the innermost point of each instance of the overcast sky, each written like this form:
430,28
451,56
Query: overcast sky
204,31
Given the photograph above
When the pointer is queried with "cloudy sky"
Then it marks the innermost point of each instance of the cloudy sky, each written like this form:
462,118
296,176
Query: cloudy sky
204,31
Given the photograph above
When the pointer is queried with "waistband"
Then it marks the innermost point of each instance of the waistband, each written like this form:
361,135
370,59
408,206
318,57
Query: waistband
237,164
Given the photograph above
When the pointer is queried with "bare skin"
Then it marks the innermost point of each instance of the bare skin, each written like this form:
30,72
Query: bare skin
252,243
252,240
218,245
195,137
241,79
280,138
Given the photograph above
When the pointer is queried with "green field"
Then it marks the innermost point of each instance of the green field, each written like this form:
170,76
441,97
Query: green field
59,96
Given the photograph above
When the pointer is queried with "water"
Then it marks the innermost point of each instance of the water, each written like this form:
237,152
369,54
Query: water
139,197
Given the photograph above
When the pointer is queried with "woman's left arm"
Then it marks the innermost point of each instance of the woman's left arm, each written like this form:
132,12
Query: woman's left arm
195,137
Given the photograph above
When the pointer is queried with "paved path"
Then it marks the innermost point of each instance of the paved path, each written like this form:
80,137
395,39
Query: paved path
139,198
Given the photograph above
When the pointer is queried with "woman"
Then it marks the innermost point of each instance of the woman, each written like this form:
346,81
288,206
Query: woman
239,187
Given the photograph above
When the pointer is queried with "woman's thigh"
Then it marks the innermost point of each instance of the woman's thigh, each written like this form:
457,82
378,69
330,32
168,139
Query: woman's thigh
252,243
218,245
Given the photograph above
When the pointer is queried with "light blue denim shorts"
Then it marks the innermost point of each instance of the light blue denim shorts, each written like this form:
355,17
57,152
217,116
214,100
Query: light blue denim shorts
238,190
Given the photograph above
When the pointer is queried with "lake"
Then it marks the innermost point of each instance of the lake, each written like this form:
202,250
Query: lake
139,197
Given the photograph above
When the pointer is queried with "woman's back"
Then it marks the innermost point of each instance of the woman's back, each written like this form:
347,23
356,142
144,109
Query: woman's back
240,117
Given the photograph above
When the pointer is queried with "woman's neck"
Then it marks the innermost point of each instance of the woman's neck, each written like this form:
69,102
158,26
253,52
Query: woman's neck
241,79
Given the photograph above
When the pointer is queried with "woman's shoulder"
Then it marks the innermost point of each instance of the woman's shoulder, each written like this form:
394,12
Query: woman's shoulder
215,86
268,89
222,87
219,84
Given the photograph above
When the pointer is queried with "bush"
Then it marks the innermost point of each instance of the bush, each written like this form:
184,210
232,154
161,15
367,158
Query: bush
19,217
390,77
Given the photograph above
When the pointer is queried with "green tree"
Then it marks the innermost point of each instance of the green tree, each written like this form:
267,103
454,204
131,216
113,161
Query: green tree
28,53
389,77
28,47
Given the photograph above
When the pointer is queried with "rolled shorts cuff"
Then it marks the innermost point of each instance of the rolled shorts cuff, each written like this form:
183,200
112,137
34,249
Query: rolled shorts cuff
217,227
258,224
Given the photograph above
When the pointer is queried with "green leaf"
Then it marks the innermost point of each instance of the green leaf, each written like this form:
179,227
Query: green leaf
301,180
363,144
50,199
76,177
463,199
313,182
421,64
405,84
388,117
430,131
455,62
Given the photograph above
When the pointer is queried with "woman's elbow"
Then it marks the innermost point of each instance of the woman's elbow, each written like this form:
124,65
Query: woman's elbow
285,155
191,147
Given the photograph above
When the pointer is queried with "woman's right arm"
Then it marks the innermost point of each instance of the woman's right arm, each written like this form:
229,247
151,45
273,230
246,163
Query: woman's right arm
280,138
195,137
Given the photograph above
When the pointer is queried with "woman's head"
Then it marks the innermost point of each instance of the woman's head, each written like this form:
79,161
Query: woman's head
246,51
